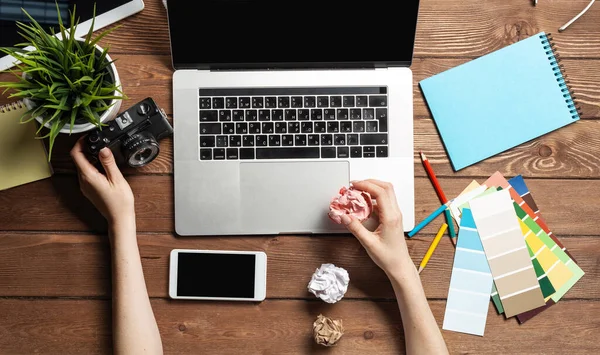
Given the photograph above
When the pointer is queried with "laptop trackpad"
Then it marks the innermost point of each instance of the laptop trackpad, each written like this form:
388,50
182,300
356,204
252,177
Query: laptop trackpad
290,197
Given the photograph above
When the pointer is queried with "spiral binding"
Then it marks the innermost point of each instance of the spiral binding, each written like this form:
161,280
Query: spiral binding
11,107
561,77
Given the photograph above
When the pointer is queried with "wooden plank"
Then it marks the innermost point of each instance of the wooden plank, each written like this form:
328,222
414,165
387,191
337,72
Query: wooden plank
68,265
279,327
56,204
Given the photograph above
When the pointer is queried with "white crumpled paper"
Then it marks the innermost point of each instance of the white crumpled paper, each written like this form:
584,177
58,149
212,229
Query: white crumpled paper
329,283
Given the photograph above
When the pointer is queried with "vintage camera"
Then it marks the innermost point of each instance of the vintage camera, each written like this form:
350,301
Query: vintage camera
132,136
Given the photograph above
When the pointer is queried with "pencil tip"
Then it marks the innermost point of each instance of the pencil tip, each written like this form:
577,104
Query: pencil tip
420,269
423,156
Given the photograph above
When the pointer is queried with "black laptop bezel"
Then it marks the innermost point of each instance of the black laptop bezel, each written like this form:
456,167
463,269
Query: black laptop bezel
293,65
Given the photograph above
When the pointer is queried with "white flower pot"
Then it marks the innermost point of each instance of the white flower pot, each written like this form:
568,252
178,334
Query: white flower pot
106,116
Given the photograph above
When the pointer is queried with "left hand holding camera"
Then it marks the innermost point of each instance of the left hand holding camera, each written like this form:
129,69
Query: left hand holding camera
110,193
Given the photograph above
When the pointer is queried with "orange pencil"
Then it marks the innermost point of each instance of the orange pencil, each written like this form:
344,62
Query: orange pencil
434,180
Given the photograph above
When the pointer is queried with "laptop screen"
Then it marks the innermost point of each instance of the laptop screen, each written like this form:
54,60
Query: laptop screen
297,33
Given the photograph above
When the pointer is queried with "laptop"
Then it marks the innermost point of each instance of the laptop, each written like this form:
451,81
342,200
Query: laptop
277,105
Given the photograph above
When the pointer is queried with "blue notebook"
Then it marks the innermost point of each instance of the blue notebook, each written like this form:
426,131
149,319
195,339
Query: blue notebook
501,100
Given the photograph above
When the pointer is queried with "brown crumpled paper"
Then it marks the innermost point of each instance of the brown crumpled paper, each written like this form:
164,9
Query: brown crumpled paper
327,331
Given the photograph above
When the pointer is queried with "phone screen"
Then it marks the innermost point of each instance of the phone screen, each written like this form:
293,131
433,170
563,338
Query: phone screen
216,275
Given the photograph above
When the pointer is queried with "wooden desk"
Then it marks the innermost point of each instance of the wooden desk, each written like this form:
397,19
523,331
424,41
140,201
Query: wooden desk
55,263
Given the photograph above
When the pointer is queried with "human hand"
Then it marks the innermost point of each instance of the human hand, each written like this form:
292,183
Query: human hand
110,193
386,245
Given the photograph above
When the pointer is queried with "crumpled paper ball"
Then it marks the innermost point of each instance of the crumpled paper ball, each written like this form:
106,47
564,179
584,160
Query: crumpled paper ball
327,331
355,203
329,283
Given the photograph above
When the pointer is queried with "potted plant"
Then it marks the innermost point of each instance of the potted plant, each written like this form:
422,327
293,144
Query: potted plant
69,85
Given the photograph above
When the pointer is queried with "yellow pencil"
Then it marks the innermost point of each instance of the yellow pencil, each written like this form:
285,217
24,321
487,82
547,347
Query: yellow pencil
432,247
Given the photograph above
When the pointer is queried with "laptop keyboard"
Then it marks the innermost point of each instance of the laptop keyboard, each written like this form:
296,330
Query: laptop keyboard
293,123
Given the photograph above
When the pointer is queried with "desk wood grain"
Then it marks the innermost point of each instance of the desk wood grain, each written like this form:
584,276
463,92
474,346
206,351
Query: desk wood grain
54,256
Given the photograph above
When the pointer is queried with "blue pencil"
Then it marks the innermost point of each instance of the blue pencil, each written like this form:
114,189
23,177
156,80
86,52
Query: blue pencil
426,221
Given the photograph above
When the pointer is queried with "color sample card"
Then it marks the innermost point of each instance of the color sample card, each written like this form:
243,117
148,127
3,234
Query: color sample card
470,283
463,198
506,252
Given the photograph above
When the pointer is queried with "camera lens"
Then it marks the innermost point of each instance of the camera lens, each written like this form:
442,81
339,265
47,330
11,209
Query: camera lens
140,149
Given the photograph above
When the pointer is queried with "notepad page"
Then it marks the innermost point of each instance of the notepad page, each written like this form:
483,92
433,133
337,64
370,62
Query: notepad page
498,101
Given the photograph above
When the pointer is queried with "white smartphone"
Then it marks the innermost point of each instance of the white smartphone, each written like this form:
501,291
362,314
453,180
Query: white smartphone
219,275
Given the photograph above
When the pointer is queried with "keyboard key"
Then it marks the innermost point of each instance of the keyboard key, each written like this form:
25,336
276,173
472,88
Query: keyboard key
244,102
218,102
228,128
352,139
382,116
251,115
231,102
368,113
290,115
355,114
232,153
326,139
219,153
207,141
356,152
241,128
210,128
283,101
316,114
264,115
339,139
235,141
258,102
303,115
262,140
343,152
320,127
267,127
323,101
328,152
248,141
277,115
209,116
310,101
342,114
313,139
288,153
348,101
293,127
372,126
306,127
300,139
238,115
274,140
224,115
362,101
222,141
374,139
346,127
297,101
253,127
333,127
247,153
358,126
271,102
335,101
382,152
377,101
205,103
368,152
280,127
205,154
287,140
329,114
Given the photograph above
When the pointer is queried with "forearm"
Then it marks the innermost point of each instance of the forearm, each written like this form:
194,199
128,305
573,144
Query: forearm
134,326
421,332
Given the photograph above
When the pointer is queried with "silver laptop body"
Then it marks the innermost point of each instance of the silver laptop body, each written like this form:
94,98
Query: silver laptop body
273,166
